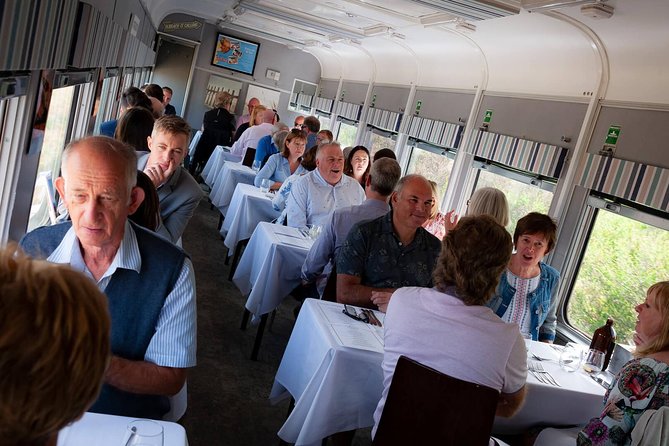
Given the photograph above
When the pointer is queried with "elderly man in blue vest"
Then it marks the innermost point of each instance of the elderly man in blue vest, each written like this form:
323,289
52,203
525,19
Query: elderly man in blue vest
148,281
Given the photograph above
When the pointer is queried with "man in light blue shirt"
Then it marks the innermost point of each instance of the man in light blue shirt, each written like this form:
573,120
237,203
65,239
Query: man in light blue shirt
380,183
315,195
148,281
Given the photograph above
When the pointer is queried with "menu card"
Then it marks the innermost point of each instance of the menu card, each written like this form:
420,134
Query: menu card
349,332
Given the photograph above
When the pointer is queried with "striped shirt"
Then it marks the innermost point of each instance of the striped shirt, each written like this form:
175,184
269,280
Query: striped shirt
174,343
519,307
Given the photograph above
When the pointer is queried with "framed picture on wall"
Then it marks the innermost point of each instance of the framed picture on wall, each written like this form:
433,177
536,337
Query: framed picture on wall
235,54
267,97
216,84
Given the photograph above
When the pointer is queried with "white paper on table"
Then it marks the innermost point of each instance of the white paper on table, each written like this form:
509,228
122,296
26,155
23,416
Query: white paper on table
289,240
361,336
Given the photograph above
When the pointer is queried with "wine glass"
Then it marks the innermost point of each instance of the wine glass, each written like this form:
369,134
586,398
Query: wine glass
256,165
314,231
571,357
144,433
594,361
264,185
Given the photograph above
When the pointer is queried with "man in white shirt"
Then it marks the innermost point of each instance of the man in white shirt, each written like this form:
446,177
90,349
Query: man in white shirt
252,135
314,196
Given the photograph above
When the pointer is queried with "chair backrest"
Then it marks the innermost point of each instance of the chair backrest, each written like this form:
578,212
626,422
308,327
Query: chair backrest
425,406
249,156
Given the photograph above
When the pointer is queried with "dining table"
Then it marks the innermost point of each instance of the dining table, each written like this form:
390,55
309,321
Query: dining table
248,207
269,270
332,369
215,163
94,429
226,180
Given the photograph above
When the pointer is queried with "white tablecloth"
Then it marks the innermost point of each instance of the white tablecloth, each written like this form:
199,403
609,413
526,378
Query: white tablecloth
337,388
270,266
225,182
248,207
95,429
215,164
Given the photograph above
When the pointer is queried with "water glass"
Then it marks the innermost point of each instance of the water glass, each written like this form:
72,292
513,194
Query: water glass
594,361
571,357
144,433
314,231
264,185
256,165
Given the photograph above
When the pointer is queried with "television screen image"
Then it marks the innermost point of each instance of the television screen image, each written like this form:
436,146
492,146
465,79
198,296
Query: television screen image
235,54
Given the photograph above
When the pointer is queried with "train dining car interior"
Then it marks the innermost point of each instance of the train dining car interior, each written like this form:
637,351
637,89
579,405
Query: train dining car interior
562,105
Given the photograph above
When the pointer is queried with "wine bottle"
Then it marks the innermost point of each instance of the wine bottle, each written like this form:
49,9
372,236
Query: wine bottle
604,340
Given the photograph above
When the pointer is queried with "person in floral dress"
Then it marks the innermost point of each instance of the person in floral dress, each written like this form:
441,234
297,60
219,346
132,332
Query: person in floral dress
642,383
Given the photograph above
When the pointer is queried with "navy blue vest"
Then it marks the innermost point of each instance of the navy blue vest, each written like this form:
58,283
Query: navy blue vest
135,301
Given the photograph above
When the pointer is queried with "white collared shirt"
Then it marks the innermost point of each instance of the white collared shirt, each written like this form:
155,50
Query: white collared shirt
174,343
312,199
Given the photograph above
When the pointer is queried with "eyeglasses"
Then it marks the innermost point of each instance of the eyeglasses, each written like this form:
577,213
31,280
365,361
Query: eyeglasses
352,313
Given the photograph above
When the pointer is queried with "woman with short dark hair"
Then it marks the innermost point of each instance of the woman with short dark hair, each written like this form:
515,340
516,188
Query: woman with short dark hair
527,288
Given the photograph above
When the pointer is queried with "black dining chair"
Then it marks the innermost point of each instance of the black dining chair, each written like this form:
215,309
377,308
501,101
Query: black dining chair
425,406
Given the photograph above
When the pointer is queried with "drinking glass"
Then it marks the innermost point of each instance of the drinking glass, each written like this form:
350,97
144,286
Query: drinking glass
314,231
264,185
144,433
571,357
256,165
594,361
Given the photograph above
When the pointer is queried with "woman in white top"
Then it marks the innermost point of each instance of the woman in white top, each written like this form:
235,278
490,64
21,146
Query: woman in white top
286,163
473,343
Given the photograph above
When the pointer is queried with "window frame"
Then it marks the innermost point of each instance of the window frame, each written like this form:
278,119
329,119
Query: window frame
594,204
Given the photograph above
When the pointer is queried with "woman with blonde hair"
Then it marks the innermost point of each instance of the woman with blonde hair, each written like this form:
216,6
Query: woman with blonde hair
218,126
255,119
439,224
489,201
640,388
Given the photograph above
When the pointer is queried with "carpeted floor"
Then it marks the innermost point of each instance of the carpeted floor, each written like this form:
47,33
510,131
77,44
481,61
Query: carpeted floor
227,392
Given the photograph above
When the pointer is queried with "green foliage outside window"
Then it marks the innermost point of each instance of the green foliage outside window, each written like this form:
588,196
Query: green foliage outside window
623,259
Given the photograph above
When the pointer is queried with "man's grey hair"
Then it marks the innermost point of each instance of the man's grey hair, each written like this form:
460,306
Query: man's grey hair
405,179
110,146
384,175
279,126
279,138
321,147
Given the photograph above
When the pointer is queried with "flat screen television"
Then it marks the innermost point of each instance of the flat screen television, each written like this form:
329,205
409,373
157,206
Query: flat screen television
235,54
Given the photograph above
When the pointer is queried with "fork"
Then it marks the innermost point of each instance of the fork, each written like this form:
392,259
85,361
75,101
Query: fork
538,369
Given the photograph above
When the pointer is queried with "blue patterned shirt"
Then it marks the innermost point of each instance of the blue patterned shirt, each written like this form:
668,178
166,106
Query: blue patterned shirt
327,245
374,253
174,343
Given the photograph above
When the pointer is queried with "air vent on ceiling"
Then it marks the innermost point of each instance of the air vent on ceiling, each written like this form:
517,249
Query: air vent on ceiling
538,5
472,9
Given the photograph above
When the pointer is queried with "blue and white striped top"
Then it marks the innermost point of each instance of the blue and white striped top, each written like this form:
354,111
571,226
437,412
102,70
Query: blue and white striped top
174,343
277,169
